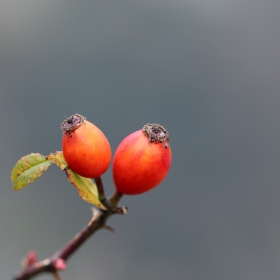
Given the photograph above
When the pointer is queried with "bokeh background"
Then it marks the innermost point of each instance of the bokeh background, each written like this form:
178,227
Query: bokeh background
208,71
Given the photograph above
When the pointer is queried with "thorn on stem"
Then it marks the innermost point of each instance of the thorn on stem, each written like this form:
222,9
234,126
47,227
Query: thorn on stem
95,215
56,275
59,264
109,228
30,259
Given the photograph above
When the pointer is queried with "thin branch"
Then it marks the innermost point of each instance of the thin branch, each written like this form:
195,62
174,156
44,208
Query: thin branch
58,260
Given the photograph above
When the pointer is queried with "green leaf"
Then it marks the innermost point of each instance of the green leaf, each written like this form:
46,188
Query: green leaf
58,159
86,188
28,169
32,166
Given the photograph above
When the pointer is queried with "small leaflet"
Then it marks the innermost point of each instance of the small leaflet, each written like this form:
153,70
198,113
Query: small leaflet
28,169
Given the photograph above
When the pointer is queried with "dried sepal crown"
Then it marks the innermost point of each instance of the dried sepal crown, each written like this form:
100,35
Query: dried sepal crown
72,123
156,133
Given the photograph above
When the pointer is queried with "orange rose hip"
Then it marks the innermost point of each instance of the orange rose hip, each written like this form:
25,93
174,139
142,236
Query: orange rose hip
85,147
142,160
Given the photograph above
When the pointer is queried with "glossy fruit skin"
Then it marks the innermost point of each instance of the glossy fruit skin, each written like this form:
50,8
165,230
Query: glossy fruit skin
140,165
86,150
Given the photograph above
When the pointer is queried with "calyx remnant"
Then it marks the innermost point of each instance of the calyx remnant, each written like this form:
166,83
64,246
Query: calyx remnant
72,123
156,133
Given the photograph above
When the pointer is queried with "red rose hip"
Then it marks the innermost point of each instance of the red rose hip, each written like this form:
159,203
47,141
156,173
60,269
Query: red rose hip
85,147
142,160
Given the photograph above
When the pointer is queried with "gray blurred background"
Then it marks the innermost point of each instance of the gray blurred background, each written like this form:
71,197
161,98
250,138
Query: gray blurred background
208,71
